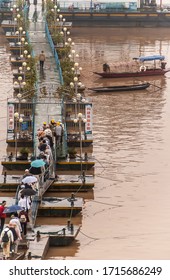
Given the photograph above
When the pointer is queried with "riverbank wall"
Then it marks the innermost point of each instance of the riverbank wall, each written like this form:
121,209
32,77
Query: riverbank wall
117,19
87,18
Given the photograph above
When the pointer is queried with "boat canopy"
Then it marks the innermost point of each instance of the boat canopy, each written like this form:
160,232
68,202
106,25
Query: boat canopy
149,58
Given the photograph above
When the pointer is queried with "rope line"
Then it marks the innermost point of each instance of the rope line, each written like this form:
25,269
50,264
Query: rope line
109,204
89,236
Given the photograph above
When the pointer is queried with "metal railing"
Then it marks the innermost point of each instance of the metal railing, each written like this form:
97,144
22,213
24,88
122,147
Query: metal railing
57,61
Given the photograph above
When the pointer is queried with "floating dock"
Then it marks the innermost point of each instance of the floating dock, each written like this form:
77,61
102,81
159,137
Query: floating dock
50,236
63,183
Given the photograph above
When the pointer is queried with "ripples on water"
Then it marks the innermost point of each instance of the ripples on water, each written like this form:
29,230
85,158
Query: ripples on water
129,215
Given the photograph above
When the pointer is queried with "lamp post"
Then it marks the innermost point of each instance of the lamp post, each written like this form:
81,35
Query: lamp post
65,33
56,11
76,69
25,54
14,11
73,54
20,32
22,70
79,120
19,96
18,18
60,20
77,96
19,82
16,120
21,45
24,64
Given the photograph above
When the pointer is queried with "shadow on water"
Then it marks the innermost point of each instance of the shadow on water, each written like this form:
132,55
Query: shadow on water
63,252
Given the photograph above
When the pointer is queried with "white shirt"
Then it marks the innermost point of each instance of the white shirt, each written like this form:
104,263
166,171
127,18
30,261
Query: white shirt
58,130
24,203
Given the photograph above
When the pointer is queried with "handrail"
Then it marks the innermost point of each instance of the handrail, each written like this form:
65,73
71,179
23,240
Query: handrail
57,61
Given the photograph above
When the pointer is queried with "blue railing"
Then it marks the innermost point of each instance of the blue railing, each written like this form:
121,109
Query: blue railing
54,53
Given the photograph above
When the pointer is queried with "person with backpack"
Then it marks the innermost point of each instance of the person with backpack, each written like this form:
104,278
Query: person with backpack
14,246
7,239
17,237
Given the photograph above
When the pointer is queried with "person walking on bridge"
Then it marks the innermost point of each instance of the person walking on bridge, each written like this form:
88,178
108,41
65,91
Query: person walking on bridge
42,59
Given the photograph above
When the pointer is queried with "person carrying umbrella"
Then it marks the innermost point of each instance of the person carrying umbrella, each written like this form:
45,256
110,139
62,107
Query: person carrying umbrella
29,180
12,209
2,215
24,202
27,173
37,167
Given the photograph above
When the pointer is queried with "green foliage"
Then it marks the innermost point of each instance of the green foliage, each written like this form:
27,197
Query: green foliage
49,5
72,152
31,76
63,52
65,92
68,74
24,151
50,17
56,37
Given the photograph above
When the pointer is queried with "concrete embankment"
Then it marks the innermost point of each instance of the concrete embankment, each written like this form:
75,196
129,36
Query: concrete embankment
118,19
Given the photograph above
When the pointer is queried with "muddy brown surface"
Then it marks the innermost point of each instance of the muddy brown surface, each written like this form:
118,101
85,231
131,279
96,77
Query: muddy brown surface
128,217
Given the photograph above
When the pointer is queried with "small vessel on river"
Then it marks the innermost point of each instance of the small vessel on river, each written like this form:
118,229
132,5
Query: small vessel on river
121,88
142,70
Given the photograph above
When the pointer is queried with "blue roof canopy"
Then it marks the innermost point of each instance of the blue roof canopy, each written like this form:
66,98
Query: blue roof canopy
149,58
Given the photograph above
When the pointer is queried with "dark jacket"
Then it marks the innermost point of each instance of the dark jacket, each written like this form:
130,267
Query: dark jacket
14,233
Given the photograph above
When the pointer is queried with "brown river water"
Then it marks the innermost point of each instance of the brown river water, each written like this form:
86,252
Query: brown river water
128,214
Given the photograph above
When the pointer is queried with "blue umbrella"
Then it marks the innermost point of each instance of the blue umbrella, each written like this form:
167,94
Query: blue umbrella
37,163
12,208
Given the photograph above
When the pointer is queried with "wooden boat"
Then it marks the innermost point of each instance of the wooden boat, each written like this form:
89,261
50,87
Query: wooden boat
148,72
121,88
143,70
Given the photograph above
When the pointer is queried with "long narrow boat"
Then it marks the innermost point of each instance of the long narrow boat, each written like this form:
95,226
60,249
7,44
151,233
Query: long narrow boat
148,72
143,70
121,88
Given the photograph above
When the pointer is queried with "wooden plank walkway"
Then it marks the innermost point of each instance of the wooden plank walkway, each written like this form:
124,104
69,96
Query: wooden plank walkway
38,248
